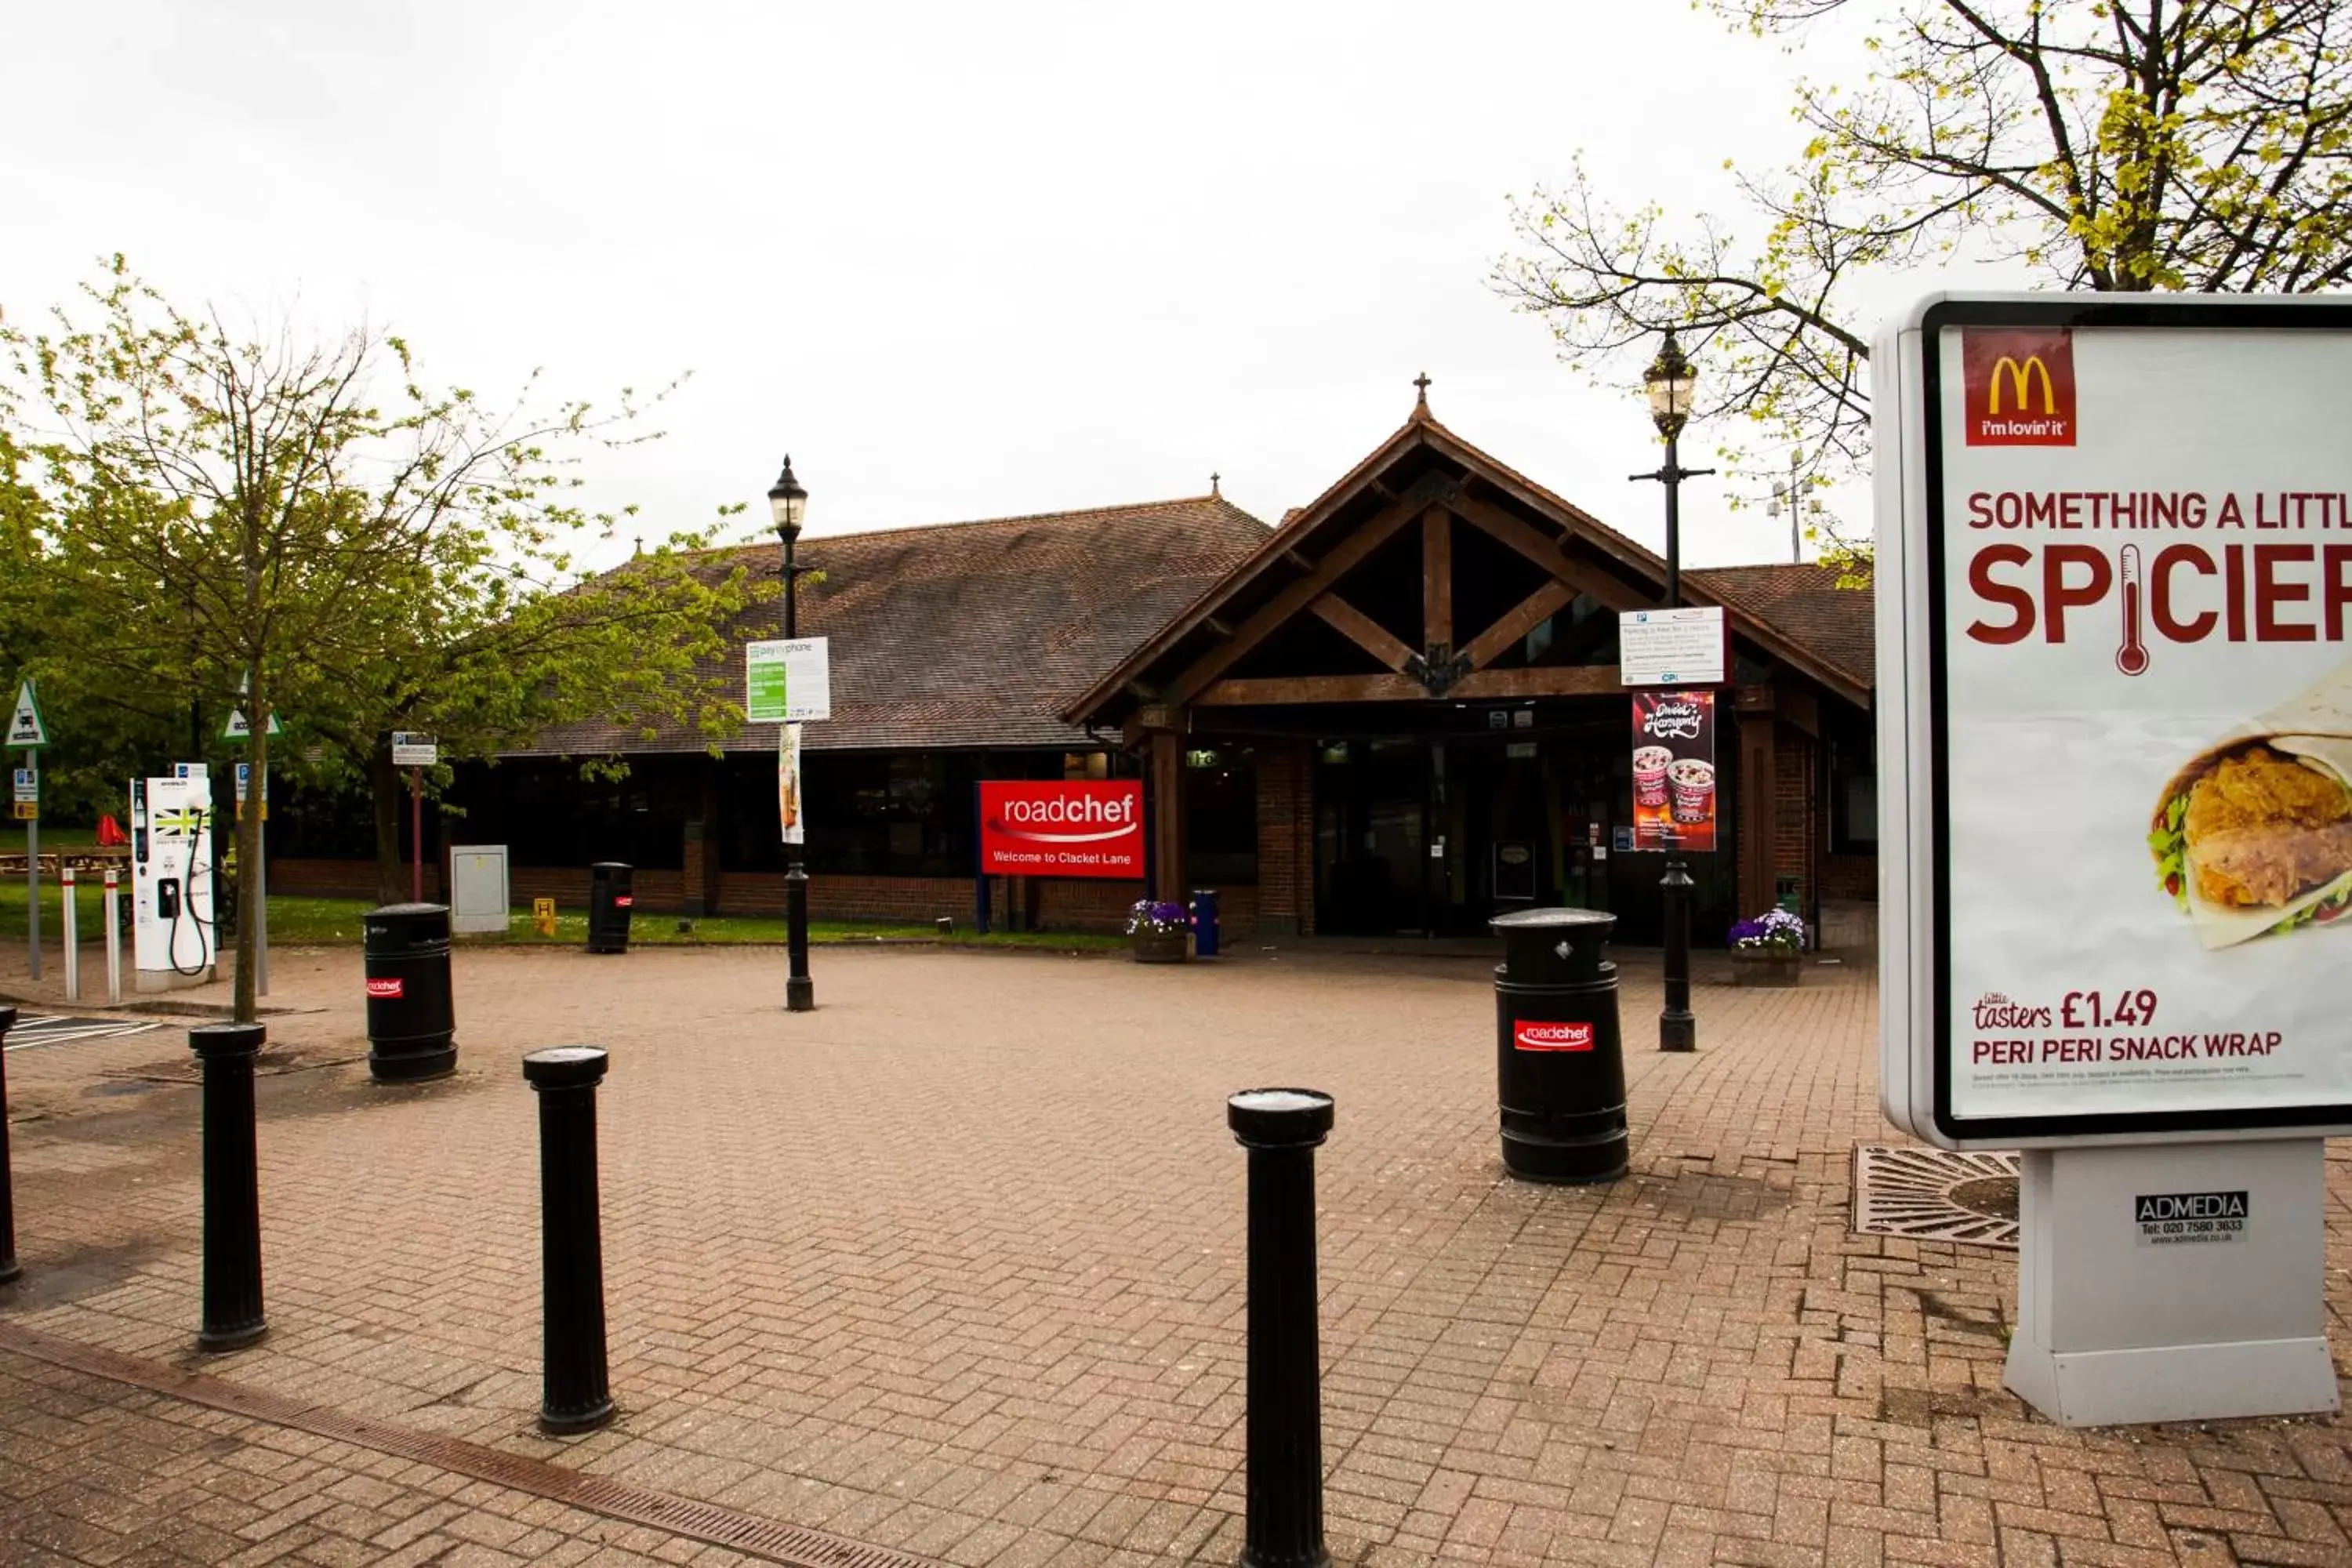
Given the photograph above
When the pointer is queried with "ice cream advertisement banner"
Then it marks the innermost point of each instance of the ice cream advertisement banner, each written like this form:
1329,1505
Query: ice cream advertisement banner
790,807
1673,770
2136,553
1077,828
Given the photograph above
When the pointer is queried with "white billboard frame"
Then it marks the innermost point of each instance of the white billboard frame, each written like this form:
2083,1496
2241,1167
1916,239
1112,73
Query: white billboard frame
1915,936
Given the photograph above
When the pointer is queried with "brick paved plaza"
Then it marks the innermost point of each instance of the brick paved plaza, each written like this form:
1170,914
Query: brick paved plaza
953,1266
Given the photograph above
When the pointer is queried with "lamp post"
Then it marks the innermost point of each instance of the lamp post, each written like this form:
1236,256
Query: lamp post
1669,383
1794,496
788,503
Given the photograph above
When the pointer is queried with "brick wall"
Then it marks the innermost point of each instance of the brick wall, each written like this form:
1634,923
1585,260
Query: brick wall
1796,818
1284,898
656,892
1084,904
916,899
335,879
694,876
1850,876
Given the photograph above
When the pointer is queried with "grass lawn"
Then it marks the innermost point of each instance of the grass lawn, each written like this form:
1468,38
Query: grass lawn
309,921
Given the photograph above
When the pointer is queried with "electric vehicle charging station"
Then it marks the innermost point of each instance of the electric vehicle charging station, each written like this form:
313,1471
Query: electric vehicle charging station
172,851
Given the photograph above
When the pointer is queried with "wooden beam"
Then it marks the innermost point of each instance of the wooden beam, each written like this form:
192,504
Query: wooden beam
1362,630
1168,878
1530,613
1303,561
1437,578
1547,553
1430,490
1557,681
1573,680
1284,690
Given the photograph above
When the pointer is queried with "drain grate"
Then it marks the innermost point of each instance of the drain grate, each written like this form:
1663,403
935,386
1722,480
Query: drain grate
1935,1195
772,1540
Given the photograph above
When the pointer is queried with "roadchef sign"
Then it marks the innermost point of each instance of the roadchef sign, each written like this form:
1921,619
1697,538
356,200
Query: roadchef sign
2113,578
1078,827
1530,1034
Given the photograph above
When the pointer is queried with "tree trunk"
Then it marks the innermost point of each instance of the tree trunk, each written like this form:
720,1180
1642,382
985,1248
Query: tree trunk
386,793
248,846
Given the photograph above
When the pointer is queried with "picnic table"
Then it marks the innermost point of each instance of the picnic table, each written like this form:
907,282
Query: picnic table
93,860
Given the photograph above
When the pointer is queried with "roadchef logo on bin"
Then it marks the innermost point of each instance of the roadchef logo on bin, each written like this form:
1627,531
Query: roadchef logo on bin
1528,1034
389,989
624,902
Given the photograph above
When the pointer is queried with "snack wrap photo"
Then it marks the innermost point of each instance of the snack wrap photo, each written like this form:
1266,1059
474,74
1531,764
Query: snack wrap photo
2253,835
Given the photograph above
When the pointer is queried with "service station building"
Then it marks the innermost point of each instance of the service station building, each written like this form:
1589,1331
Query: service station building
1399,711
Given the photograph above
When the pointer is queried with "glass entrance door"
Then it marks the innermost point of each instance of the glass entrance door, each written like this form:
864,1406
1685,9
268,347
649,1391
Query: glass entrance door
1371,838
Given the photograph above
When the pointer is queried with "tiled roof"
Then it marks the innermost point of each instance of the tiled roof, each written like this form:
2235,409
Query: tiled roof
1805,604
969,634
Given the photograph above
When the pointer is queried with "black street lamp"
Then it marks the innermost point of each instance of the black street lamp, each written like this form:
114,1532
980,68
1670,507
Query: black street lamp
1669,383
788,503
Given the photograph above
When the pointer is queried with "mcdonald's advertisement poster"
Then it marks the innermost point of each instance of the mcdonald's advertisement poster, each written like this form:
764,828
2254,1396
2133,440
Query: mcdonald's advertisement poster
1674,789
2141,566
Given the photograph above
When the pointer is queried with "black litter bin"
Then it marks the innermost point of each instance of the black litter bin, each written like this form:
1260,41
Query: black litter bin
1204,922
411,1017
1561,1064
609,899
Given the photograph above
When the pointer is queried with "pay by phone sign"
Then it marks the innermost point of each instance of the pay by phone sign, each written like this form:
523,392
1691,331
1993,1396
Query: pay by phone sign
1075,827
787,682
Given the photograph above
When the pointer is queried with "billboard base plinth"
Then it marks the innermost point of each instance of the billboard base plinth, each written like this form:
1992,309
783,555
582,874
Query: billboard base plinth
2172,1283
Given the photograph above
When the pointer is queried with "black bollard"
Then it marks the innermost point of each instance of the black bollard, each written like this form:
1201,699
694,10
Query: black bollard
1280,1128
10,1269
232,1187
576,1396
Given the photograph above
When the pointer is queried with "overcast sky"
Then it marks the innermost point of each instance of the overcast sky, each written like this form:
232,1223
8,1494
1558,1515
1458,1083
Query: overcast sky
959,260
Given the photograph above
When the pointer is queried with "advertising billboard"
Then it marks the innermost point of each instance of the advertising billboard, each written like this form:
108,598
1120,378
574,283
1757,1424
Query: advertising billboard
1673,770
2115,717
1061,827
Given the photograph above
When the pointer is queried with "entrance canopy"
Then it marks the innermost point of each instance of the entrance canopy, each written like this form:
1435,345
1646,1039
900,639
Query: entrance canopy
1430,572
1366,653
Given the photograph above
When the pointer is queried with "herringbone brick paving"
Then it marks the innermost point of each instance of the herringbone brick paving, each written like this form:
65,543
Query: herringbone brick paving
954,1265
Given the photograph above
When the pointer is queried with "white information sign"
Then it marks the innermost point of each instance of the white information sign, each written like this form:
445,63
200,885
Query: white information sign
411,749
2115,575
1673,647
28,787
787,682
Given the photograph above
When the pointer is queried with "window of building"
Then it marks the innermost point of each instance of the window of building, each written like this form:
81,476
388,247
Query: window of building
1221,816
1853,797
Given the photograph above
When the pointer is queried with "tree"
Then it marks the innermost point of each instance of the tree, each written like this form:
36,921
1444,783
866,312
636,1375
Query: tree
2098,144
495,655
231,515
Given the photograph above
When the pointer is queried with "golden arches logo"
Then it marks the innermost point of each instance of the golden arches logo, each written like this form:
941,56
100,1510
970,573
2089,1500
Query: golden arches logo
2020,381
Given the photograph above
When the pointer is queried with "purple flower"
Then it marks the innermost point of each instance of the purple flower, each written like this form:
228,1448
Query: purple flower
1775,929
1159,918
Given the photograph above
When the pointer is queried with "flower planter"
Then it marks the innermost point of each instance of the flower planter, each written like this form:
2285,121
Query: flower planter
1159,947
1766,965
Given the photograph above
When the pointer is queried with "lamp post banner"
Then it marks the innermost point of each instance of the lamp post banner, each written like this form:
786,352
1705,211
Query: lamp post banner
2115,710
1673,770
1075,827
790,806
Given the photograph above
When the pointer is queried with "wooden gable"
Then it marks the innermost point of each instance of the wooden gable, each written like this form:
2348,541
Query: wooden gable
1420,575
